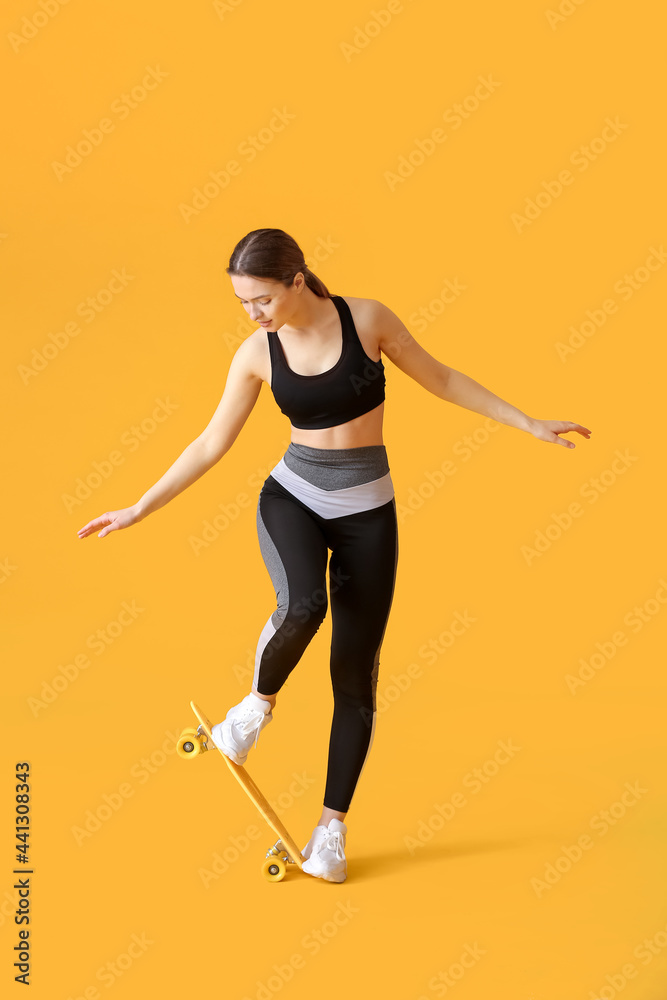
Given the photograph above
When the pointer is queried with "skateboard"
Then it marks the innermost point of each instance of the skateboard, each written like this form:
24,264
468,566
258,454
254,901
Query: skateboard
191,744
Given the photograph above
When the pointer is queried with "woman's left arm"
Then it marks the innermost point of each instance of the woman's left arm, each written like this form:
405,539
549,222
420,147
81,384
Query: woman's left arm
396,341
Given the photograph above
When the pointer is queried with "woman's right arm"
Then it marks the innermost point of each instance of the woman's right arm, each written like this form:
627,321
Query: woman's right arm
240,395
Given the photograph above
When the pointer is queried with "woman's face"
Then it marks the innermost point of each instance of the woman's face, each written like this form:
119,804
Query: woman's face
268,303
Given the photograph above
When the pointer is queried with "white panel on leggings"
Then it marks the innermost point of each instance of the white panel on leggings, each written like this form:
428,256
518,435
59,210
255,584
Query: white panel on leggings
335,503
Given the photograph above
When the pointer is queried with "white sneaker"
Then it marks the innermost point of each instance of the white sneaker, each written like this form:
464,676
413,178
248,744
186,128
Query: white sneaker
241,727
319,833
325,852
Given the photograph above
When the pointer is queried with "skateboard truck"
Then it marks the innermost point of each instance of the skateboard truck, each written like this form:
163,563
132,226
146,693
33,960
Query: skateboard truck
278,859
192,743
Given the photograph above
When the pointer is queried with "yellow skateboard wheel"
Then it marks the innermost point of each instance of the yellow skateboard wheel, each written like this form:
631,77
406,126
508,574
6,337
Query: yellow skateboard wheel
274,869
189,744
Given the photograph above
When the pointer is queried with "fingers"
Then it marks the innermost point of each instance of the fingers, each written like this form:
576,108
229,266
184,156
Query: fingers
87,528
563,441
92,526
552,437
581,430
111,525
566,427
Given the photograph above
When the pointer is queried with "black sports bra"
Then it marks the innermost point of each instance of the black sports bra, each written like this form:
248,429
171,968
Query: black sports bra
353,386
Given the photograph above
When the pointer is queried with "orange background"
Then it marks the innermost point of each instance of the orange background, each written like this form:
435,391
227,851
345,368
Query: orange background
366,86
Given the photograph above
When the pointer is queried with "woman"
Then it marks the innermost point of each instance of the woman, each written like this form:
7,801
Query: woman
321,354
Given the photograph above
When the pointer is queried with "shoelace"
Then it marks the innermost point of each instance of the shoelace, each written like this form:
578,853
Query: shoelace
253,721
334,842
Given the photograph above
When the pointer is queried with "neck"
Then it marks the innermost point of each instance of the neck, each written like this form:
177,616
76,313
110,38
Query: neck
309,314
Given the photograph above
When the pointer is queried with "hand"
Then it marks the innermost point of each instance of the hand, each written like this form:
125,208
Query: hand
548,430
112,521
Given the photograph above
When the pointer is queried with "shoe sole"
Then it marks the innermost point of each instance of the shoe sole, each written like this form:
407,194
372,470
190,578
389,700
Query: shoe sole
327,876
233,756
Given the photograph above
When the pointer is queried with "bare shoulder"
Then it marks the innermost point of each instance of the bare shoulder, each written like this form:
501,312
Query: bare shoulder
376,324
364,308
251,358
371,312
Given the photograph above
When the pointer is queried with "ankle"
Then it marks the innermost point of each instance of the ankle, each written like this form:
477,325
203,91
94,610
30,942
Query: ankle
328,815
271,698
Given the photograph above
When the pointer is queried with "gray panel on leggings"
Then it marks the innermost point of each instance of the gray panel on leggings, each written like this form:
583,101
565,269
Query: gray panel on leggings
274,565
337,468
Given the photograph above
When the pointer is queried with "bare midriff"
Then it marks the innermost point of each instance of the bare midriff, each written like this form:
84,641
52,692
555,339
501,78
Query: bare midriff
358,433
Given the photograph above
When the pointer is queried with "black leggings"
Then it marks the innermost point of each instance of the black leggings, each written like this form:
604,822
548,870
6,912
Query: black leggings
296,533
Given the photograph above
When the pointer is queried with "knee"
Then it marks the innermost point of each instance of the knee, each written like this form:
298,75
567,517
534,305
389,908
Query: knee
354,710
307,613
353,691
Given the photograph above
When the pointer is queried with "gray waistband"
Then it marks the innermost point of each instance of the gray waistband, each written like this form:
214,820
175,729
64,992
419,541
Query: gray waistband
337,468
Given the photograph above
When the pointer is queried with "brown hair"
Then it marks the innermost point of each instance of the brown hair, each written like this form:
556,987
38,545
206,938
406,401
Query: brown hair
274,255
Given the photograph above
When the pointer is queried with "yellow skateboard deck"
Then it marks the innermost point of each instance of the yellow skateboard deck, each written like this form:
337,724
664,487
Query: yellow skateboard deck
191,744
